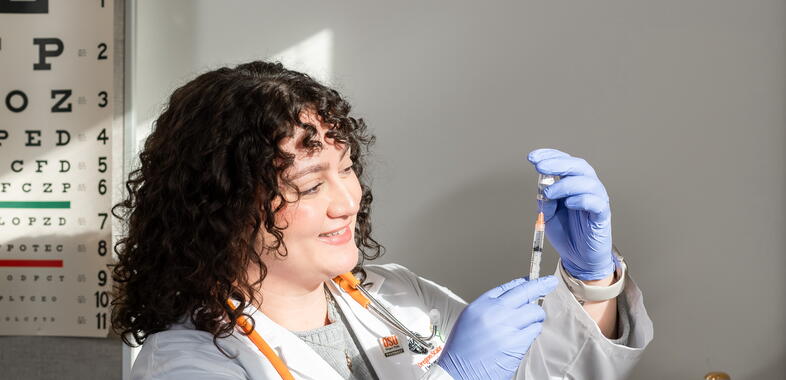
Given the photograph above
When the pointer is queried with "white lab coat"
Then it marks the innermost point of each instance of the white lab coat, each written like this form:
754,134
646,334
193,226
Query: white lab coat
571,345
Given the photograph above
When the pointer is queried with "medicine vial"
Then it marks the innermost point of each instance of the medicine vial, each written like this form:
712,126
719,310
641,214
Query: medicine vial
544,181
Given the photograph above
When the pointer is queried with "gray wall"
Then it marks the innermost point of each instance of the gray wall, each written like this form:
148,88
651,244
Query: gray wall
679,105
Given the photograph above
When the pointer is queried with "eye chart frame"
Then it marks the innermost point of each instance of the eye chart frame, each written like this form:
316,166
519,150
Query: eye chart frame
70,354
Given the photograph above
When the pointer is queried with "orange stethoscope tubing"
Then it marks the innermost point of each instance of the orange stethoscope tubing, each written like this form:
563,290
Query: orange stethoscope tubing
347,281
351,285
257,339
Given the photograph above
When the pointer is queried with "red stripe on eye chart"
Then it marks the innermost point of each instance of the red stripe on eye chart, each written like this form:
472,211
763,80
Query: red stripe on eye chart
32,263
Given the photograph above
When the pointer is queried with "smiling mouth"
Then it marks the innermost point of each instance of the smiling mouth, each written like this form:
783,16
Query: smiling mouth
342,231
339,237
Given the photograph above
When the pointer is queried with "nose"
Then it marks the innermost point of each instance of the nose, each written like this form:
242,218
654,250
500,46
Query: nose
345,199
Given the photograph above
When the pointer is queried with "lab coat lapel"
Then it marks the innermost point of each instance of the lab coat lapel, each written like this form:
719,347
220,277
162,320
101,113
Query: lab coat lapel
369,329
302,361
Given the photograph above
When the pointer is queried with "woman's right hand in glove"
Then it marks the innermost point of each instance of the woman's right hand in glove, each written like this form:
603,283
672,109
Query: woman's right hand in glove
494,332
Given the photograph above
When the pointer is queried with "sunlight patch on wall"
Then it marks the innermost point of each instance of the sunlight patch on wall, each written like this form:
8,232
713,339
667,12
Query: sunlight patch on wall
313,56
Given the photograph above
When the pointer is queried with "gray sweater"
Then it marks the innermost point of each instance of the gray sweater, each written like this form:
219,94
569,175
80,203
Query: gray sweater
337,345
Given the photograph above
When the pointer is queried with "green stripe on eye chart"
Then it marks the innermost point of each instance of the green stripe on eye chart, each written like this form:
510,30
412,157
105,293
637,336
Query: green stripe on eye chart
35,204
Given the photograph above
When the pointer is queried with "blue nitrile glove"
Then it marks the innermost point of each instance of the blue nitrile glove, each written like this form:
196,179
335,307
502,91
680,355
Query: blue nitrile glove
494,332
578,217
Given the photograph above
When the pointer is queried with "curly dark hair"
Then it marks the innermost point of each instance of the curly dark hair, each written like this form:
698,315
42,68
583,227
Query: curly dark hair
209,180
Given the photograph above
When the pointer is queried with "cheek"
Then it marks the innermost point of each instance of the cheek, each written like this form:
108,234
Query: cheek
300,220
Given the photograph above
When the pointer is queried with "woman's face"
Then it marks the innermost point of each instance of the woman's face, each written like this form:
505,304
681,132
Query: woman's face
319,233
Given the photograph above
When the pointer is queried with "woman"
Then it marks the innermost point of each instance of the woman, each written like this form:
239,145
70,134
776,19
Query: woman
249,203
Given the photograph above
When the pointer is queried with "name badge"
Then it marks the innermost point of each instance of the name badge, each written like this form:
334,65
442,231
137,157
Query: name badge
429,360
390,345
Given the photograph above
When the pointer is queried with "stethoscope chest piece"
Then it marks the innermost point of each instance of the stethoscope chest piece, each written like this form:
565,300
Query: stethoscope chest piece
416,347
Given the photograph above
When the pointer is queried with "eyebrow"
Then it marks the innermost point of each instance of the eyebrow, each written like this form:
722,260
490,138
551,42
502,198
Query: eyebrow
316,167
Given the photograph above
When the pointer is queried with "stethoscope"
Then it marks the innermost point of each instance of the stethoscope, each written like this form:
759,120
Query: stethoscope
351,285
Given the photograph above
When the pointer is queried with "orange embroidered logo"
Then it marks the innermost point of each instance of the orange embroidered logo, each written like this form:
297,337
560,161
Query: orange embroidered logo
390,345
390,341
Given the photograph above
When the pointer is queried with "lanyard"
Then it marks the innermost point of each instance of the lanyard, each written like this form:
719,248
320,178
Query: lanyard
347,281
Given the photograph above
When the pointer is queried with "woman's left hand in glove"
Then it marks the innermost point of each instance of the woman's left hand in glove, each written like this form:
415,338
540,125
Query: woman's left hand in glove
577,214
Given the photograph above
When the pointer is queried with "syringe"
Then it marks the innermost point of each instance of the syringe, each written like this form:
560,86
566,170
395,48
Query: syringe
537,248
540,229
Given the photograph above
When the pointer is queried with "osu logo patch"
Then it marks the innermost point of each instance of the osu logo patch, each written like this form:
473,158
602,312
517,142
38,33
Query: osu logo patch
390,345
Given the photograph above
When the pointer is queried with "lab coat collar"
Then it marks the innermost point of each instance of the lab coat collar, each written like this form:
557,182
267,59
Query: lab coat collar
302,361
305,363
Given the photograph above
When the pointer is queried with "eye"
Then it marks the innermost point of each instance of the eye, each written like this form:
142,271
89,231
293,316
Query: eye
347,170
311,190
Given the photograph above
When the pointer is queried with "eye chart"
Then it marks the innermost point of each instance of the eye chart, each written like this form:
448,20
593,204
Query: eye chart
57,158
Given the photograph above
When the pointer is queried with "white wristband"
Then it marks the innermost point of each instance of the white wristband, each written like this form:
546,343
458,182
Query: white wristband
584,292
